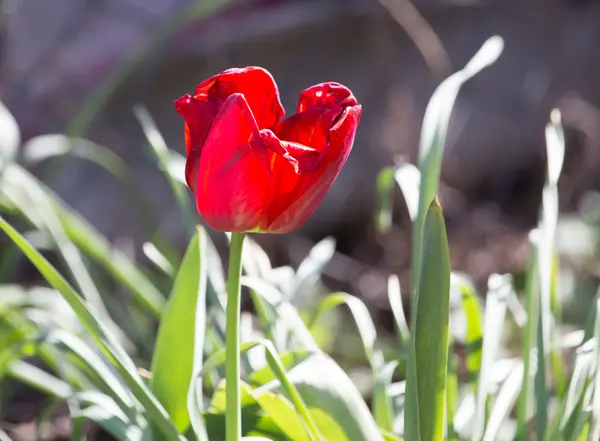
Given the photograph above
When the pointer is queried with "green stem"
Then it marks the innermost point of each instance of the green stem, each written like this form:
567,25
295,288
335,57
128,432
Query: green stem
233,413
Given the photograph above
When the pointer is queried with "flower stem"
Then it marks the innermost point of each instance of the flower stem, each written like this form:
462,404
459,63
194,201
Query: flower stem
233,405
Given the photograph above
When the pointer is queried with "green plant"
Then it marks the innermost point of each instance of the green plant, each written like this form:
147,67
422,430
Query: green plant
90,341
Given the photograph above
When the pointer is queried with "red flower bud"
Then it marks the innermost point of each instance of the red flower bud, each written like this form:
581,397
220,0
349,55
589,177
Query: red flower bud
249,169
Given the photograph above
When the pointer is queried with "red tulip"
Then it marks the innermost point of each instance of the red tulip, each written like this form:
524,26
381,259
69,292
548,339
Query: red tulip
249,169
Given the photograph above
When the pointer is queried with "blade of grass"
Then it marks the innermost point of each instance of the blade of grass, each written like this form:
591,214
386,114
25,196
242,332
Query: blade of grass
93,361
547,234
525,402
106,342
86,238
408,177
161,152
429,350
180,341
32,201
432,141
504,402
382,405
595,420
395,299
364,324
474,321
499,288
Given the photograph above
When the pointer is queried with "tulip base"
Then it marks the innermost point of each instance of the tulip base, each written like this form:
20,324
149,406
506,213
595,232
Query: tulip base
233,412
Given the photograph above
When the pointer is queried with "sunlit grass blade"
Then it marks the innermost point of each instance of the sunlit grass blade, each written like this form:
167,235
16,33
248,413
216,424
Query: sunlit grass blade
287,314
395,299
474,324
94,245
33,202
180,342
107,344
112,384
428,361
11,136
311,268
408,177
431,146
504,402
595,420
158,259
161,152
499,288
433,138
327,389
525,405
40,379
383,411
572,403
452,394
364,324
547,235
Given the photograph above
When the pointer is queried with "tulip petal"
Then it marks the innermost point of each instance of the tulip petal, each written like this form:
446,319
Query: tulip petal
299,194
198,117
255,83
234,184
325,95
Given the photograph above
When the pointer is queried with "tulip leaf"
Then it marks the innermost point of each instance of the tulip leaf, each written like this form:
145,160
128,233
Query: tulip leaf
433,137
180,342
429,349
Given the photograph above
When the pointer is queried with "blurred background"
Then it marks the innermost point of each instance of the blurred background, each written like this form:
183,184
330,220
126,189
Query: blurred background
80,66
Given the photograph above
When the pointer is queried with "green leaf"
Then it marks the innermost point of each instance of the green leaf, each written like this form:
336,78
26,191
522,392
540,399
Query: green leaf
364,323
32,201
474,323
547,238
334,401
111,348
39,379
408,177
499,288
255,421
432,142
112,423
311,268
505,401
92,243
525,402
161,152
112,384
595,424
433,139
43,147
429,355
180,341
383,411
283,414
395,299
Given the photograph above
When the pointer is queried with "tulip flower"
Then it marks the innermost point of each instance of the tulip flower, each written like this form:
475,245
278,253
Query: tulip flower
250,169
